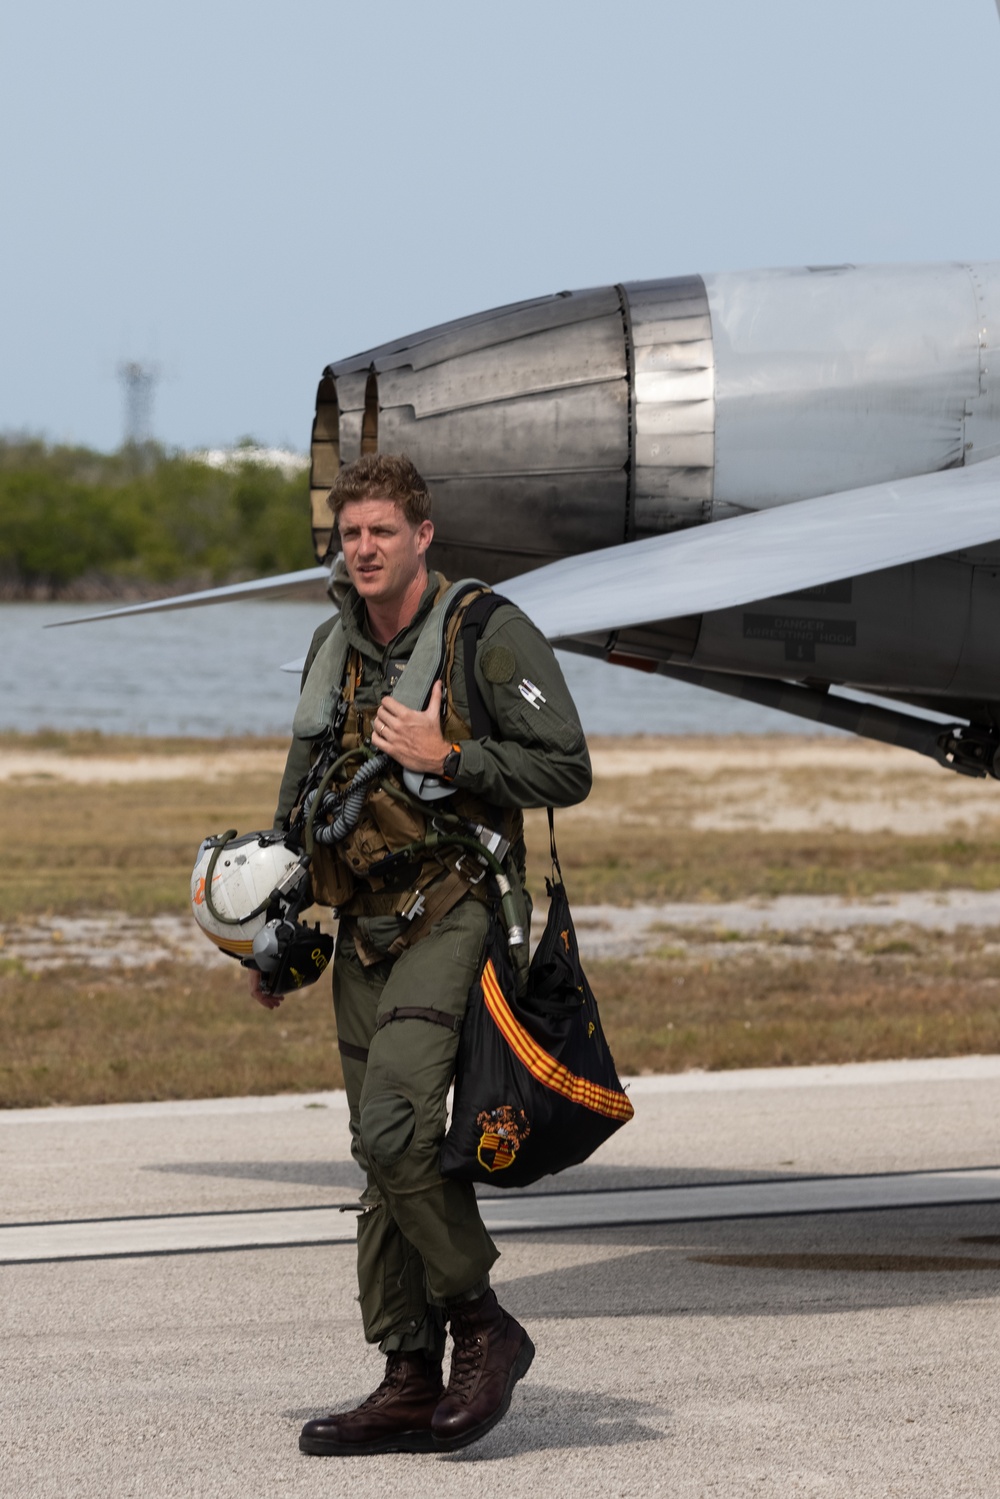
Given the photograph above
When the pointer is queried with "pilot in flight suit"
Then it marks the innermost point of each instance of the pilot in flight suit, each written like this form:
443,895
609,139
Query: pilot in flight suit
411,940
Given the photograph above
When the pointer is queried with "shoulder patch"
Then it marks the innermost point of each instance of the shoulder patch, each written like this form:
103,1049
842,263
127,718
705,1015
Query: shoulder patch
498,664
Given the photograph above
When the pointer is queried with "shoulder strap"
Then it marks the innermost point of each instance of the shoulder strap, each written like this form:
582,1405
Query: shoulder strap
428,657
321,689
473,624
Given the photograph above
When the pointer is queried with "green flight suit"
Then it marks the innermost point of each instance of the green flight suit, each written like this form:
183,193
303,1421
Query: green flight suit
421,1240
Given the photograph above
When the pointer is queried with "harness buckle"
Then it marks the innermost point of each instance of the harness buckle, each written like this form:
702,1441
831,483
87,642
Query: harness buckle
466,872
411,906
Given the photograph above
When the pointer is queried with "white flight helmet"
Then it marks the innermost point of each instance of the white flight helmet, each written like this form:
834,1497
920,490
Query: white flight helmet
249,873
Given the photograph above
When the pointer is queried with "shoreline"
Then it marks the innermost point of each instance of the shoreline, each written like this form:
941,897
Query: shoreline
111,595
78,755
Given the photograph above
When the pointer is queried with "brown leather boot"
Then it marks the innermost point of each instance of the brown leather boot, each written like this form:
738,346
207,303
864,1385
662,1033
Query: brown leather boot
395,1418
492,1352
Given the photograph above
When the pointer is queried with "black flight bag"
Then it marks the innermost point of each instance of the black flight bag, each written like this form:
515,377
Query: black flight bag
536,1088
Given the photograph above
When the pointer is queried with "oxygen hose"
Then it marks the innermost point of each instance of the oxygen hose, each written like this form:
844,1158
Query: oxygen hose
318,797
351,802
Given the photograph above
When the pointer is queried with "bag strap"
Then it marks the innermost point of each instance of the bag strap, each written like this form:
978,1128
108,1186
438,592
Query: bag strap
473,624
552,846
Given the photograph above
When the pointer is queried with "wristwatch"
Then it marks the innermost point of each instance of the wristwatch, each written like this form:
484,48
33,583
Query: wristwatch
451,762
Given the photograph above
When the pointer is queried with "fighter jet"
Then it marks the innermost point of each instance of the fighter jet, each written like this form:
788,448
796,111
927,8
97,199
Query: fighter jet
774,484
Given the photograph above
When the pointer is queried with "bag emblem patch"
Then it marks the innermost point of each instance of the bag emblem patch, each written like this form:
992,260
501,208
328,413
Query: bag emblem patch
503,1133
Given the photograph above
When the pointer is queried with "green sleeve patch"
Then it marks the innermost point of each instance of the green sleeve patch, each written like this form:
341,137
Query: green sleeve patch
498,664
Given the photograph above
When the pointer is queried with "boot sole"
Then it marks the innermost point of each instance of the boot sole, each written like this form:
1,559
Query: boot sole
519,1369
404,1441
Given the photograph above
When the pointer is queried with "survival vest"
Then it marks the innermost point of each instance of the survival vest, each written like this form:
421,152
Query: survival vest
346,875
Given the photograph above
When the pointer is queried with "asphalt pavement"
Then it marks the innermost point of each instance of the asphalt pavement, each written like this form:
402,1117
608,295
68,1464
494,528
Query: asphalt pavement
770,1283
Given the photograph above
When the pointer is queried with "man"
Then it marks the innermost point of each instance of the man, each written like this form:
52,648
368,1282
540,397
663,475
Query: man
410,944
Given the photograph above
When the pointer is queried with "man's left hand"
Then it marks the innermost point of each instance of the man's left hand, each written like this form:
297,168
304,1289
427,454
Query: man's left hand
414,740
269,1001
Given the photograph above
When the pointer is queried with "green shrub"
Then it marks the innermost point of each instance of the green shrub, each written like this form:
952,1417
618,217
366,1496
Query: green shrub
68,512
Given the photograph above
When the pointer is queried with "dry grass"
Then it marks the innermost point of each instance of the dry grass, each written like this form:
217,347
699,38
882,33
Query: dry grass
81,1035
649,865
730,819
72,848
865,996
131,847
77,1034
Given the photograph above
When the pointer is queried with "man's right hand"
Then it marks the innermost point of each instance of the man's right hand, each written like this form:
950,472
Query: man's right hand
269,1001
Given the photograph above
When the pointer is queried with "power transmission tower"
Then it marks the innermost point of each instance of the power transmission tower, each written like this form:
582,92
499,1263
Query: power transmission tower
139,384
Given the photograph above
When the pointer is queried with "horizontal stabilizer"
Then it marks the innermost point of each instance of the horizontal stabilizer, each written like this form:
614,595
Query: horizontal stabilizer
763,555
256,588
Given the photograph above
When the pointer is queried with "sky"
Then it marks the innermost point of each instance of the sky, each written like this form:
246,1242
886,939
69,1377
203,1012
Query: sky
239,193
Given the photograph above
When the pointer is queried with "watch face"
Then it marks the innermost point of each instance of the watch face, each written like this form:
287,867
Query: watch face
451,760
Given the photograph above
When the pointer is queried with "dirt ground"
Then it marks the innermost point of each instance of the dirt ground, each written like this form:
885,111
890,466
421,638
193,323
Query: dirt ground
28,767
741,784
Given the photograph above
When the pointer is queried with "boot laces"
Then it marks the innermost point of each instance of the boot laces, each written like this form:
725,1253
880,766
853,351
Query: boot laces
394,1376
466,1361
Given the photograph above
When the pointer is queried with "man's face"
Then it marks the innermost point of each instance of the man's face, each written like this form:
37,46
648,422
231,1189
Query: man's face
384,553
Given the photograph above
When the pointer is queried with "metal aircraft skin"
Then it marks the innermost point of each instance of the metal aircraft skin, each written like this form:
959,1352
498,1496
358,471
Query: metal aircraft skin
772,483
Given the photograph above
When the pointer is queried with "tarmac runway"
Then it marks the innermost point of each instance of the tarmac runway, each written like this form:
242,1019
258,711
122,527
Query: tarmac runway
770,1283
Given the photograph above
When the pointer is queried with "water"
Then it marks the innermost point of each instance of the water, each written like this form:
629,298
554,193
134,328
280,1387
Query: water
215,671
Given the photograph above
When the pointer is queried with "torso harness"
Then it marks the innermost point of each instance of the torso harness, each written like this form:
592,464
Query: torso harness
376,847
